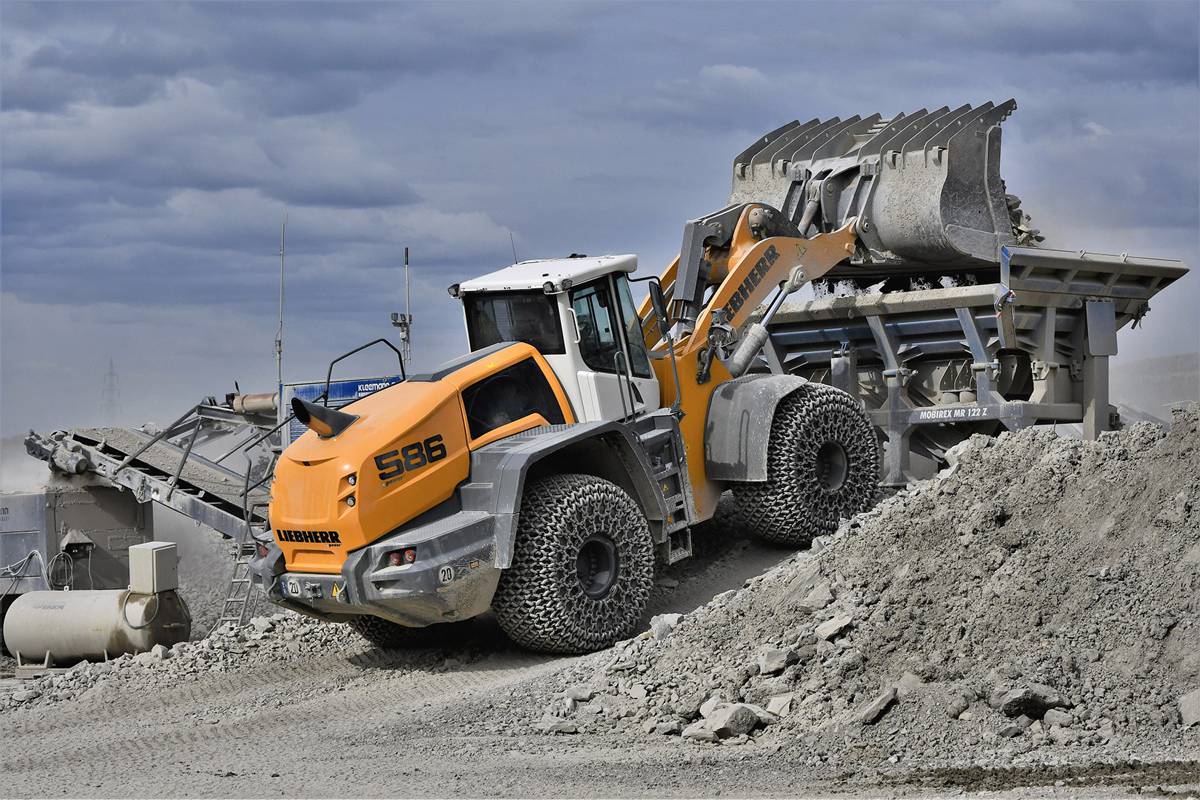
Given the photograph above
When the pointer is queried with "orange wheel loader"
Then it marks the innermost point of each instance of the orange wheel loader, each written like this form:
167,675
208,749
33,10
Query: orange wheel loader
547,473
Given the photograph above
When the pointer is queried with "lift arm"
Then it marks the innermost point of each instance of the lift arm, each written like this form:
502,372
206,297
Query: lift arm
726,280
730,276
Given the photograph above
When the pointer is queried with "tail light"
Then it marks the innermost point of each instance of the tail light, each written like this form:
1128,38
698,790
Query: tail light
261,548
398,558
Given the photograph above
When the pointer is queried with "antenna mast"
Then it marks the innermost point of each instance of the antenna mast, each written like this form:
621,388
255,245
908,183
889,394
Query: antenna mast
279,332
408,313
404,321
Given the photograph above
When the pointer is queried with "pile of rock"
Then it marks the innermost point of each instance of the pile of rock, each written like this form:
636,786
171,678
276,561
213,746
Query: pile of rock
1042,592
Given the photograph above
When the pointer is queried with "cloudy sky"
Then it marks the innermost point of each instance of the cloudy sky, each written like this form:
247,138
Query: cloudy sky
150,151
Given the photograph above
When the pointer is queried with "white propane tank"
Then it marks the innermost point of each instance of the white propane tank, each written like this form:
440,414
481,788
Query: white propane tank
64,628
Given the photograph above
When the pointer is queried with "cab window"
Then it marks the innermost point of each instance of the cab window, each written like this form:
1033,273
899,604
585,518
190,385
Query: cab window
599,342
511,394
530,317
639,357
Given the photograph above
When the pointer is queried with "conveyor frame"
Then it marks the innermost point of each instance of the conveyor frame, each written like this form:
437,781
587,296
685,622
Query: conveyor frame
934,366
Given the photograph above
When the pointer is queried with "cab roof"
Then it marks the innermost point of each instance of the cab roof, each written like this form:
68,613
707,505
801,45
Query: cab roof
535,274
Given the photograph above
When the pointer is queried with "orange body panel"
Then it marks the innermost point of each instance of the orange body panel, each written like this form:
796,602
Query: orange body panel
408,452
694,401
516,426
312,477
745,275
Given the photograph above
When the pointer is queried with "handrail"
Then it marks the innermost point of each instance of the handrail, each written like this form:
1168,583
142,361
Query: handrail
624,377
286,420
231,451
247,488
620,375
157,437
359,349
183,459
575,323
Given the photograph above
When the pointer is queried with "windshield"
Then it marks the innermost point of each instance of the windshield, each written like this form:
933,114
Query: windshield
530,317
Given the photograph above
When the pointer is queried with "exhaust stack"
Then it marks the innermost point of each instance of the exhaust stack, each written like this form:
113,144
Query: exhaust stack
325,422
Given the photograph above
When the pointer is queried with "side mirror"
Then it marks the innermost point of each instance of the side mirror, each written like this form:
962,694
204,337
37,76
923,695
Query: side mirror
660,309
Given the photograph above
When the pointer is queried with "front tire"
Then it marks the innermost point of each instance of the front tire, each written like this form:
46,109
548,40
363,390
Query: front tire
387,635
822,467
582,567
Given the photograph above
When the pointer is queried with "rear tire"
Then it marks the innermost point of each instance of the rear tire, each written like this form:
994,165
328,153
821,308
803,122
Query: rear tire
582,567
719,532
822,467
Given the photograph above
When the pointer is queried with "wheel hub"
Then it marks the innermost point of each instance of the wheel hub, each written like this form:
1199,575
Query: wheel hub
833,466
596,566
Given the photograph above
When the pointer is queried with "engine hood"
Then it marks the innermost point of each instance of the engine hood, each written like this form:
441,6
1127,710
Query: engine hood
405,453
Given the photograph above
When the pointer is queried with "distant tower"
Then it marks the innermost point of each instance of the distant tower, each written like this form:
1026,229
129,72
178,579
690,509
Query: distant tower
110,394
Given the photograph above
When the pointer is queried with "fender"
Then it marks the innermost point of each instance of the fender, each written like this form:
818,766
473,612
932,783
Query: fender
606,449
738,426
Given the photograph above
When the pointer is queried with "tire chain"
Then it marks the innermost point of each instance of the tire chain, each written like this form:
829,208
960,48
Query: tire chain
791,506
388,635
539,602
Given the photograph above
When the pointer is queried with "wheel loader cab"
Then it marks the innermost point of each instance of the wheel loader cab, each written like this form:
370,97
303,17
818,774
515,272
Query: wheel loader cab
579,314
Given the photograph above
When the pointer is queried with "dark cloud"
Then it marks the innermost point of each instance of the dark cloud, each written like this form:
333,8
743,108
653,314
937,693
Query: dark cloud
282,59
122,54
151,149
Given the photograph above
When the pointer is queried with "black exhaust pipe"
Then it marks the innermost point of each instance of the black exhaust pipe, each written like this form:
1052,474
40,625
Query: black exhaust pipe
325,422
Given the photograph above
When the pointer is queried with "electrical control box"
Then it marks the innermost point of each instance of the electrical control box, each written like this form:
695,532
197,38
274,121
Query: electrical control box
153,568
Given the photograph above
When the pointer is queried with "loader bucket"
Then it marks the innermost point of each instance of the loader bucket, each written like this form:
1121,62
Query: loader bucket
925,187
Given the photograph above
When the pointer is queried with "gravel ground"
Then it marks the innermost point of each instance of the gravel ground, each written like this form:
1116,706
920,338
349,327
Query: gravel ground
1036,604
1026,625
353,721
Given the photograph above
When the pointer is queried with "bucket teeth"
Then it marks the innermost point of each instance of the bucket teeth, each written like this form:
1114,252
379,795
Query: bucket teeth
924,186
